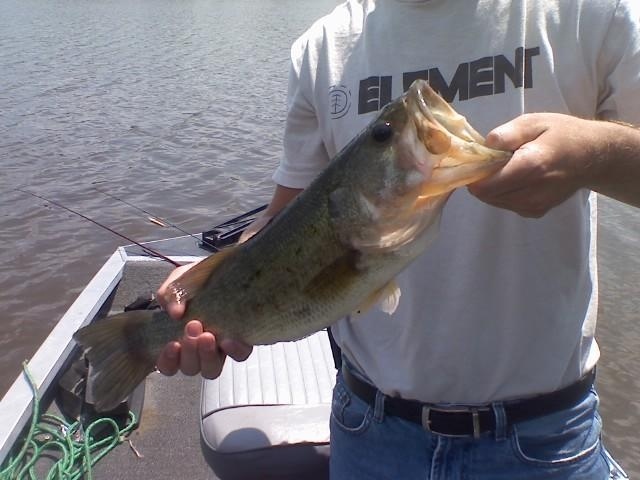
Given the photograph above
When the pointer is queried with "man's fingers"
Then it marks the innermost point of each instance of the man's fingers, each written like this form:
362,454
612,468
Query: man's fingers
211,357
199,352
512,135
525,166
169,360
237,350
189,358
175,310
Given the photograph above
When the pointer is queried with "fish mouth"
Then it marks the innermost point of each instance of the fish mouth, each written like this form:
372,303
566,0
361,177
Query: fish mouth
458,153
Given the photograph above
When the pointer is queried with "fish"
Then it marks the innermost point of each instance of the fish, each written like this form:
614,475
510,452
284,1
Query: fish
334,251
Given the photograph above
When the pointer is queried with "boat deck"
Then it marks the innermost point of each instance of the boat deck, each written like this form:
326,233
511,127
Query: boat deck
168,438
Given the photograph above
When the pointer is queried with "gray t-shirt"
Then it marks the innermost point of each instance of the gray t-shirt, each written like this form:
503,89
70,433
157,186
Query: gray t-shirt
499,306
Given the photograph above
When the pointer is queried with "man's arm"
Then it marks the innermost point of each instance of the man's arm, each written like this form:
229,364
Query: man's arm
280,199
554,156
199,351
619,173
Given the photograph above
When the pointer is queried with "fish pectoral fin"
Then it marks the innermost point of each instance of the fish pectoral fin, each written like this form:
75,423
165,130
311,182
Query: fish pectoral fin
191,282
387,298
341,273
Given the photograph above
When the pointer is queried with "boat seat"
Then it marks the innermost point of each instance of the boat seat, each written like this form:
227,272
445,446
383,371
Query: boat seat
268,417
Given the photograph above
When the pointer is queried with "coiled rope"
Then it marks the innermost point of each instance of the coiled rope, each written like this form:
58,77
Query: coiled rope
74,447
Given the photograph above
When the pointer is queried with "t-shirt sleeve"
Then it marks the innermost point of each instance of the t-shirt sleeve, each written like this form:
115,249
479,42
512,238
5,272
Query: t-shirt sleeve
305,155
619,62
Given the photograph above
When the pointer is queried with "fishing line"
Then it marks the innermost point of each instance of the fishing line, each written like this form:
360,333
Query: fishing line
153,218
149,250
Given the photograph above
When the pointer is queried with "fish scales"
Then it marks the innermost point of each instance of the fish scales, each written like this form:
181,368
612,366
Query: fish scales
266,286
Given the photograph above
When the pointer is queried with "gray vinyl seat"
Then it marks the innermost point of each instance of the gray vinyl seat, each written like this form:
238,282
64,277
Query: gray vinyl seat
268,417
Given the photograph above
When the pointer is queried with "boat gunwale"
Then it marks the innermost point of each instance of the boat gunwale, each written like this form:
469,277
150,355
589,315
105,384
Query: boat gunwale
16,406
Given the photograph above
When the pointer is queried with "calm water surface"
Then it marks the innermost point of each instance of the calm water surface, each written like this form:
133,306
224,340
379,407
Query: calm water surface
175,106
178,108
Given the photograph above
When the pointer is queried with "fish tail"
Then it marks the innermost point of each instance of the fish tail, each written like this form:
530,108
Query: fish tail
122,350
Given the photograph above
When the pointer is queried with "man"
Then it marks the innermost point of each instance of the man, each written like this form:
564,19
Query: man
485,370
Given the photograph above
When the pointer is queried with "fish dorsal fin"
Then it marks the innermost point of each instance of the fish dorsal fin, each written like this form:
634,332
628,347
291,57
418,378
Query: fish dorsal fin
387,298
186,286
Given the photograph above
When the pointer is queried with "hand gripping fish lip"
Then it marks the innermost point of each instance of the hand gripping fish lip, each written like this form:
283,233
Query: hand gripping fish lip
463,157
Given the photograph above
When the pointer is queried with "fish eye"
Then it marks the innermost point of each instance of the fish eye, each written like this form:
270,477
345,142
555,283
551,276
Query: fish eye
382,132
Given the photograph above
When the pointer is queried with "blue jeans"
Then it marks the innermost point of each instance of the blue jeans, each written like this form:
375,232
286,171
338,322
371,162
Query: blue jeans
367,444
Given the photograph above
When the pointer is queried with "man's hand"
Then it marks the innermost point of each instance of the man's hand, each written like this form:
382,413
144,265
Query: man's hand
554,156
198,351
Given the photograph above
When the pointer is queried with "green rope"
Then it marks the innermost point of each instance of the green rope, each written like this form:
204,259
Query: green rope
75,451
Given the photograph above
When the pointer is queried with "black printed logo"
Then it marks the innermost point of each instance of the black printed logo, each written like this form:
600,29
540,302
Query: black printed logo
339,101
480,77
374,93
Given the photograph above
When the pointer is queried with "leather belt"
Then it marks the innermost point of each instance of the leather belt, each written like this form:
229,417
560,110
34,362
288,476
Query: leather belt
472,421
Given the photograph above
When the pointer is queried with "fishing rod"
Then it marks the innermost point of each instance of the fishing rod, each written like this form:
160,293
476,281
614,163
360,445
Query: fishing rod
152,217
219,236
149,250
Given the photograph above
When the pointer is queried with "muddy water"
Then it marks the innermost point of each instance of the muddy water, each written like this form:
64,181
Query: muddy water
178,107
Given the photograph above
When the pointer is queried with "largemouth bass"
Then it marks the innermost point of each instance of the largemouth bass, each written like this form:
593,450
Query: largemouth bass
333,251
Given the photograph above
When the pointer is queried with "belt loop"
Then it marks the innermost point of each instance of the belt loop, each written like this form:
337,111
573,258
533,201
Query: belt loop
378,408
502,426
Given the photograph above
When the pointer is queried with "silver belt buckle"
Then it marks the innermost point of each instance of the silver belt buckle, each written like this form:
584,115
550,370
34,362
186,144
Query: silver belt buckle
475,418
426,421
476,423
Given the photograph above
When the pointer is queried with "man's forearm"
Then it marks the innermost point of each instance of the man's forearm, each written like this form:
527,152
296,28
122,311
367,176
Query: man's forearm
618,171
